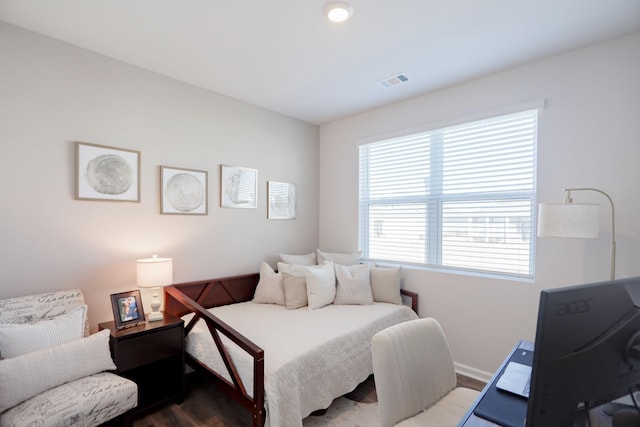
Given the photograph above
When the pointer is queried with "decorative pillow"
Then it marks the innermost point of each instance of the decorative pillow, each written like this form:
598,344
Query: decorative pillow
339,258
385,284
270,289
27,375
295,290
19,339
321,285
353,284
308,259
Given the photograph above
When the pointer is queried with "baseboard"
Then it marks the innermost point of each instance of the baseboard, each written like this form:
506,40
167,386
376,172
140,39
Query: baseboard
474,373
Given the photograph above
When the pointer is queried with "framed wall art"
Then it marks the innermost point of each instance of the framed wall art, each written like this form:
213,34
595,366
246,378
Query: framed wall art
282,200
127,309
238,187
107,173
183,191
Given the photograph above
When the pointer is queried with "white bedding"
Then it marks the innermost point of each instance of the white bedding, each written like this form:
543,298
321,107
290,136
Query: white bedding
311,356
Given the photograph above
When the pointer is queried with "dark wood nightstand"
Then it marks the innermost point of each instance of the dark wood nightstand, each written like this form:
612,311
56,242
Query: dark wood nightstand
151,355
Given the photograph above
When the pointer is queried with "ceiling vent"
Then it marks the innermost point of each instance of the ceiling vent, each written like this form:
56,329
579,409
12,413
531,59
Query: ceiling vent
393,81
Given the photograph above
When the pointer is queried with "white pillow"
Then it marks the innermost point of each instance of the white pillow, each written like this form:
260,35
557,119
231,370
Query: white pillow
339,258
270,289
385,284
321,285
308,259
27,375
353,284
19,339
299,269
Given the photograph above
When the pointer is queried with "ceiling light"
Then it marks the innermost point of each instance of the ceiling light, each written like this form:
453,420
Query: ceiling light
338,11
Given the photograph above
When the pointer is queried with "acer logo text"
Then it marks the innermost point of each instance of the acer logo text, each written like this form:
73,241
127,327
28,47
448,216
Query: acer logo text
574,307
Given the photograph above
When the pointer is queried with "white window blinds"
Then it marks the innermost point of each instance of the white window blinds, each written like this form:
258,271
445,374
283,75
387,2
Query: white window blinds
460,197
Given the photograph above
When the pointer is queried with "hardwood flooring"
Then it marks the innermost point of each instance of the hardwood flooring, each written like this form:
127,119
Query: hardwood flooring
205,405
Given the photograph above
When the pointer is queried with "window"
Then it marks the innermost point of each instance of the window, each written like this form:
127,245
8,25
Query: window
460,197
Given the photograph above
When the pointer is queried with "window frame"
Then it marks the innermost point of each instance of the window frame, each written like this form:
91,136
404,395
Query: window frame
433,203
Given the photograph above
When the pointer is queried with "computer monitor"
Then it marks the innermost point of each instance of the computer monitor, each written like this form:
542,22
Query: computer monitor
587,350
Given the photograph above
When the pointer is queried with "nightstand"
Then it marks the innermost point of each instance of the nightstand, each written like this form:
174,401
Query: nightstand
151,355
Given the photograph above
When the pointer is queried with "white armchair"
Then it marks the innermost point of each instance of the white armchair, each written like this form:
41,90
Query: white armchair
415,377
52,372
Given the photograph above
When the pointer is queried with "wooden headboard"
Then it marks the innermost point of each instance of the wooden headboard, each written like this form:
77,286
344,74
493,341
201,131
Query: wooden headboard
214,292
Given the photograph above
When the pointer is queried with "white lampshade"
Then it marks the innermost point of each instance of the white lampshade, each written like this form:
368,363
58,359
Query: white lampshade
155,272
568,220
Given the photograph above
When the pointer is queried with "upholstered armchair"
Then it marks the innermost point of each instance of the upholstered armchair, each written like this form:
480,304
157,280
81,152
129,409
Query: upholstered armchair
52,372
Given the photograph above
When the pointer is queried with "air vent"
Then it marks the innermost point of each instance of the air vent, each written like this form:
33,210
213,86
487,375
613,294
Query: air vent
393,81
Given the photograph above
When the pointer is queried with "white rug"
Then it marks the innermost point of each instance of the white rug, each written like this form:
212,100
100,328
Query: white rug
346,413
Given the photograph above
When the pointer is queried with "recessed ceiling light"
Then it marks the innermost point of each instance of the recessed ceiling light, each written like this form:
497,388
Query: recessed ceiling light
338,11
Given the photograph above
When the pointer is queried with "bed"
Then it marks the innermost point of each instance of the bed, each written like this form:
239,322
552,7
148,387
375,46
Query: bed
279,364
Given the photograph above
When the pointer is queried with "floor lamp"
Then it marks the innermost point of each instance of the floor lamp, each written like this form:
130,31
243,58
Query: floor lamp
570,219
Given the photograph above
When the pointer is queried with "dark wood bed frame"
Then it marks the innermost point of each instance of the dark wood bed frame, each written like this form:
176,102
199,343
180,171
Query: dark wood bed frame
196,297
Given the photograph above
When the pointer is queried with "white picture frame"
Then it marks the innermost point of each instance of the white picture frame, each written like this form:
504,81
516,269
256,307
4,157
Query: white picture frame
107,173
238,187
183,191
281,200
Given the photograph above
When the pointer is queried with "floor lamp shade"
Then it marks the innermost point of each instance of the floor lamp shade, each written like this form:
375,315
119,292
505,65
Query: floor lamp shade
568,220
154,273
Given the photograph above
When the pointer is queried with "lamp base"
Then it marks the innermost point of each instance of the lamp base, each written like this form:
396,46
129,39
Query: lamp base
154,316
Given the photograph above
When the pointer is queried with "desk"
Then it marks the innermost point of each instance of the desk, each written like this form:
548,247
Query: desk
472,420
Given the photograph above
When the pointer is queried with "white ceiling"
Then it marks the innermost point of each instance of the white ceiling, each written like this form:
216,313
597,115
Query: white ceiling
284,55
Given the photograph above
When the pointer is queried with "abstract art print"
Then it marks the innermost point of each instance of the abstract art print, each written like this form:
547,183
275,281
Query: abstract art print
238,187
107,173
183,191
282,200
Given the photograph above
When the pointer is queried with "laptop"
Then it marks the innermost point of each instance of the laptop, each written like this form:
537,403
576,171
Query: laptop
515,379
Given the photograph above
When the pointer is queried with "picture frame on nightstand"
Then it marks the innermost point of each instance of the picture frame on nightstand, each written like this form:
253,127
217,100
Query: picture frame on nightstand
127,309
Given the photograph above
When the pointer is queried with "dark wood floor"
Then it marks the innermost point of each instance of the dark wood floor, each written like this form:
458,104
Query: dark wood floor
205,405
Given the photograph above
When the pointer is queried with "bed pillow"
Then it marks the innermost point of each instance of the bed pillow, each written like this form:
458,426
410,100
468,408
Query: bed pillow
339,258
353,284
24,338
308,259
321,285
29,374
295,290
385,284
270,289
294,279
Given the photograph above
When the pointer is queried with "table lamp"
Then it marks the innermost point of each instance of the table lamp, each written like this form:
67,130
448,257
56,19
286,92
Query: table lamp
570,219
155,273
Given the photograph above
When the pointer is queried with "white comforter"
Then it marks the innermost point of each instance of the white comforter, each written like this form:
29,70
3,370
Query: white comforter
311,356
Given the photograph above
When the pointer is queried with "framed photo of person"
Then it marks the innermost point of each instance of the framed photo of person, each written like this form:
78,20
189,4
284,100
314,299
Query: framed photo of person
127,309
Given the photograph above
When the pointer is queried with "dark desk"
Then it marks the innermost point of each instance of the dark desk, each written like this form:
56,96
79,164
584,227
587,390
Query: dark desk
472,420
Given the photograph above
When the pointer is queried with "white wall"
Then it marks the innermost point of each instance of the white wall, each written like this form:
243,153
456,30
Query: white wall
589,136
52,94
